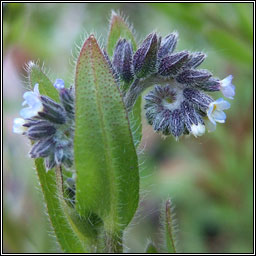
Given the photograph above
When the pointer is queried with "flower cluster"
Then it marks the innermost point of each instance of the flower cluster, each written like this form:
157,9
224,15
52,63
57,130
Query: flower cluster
178,103
50,125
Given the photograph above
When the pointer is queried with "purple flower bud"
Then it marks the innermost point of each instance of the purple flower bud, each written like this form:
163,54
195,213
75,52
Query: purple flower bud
198,98
67,100
193,77
42,148
122,60
145,58
52,111
172,65
168,45
195,59
212,85
177,123
192,120
49,162
162,122
37,132
58,155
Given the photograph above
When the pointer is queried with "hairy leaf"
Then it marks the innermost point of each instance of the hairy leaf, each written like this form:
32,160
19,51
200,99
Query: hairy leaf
119,29
37,75
105,157
64,224
66,237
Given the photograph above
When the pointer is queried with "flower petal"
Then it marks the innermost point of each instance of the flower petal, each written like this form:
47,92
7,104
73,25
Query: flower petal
36,89
209,113
228,91
18,126
222,104
219,116
226,81
209,125
197,130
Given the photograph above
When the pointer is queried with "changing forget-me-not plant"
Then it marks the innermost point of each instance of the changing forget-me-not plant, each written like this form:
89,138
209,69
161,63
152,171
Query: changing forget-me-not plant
91,130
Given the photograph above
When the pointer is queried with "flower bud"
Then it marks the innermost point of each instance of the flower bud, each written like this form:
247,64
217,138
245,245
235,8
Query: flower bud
162,122
67,100
200,99
177,123
49,162
195,59
193,77
59,84
212,85
145,58
122,60
192,120
37,132
168,45
172,65
52,111
42,148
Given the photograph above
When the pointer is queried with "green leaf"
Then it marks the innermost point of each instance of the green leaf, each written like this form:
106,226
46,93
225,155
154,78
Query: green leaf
66,237
73,234
37,75
120,29
105,157
151,248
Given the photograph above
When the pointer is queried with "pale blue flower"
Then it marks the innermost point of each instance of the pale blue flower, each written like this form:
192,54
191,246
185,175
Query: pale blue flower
59,84
32,99
227,88
197,130
18,126
215,113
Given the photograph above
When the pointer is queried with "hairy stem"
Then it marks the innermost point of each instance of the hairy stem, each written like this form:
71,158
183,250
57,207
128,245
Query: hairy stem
59,181
114,242
138,86
169,224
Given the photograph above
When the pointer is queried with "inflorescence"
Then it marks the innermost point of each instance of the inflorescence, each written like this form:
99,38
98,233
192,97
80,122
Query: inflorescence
50,125
177,104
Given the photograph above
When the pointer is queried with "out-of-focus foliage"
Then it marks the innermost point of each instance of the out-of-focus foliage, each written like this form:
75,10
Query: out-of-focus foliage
210,179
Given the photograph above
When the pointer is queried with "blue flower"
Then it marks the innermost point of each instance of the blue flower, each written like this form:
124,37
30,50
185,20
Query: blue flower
18,126
227,88
32,99
215,113
59,84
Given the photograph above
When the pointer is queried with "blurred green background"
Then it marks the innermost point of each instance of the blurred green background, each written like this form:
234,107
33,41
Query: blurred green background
210,179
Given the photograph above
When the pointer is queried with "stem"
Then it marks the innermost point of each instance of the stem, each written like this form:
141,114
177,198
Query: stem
59,181
138,86
114,242
169,224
